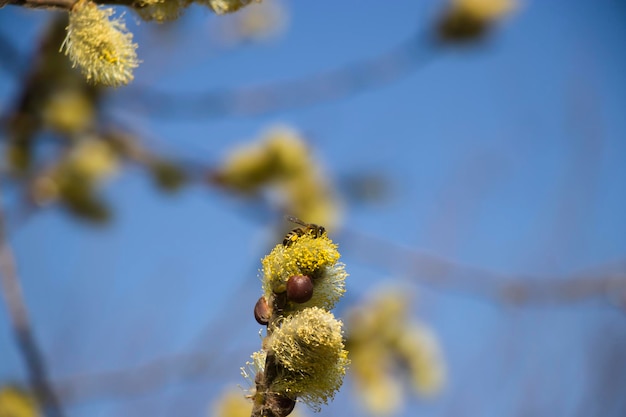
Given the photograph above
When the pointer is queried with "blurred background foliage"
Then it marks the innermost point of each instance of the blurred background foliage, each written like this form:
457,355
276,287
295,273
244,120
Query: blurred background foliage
468,156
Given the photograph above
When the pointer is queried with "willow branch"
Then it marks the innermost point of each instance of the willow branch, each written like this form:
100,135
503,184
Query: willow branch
447,274
439,272
58,4
426,269
140,379
343,82
42,4
18,315
13,63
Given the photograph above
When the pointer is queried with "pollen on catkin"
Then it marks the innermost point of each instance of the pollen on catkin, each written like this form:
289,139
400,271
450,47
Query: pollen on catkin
305,359
315,257
101,47
254,366
309,346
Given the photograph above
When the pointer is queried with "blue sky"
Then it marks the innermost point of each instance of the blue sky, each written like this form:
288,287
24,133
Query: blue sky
509,156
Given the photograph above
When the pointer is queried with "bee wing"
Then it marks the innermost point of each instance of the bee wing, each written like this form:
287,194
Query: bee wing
296,220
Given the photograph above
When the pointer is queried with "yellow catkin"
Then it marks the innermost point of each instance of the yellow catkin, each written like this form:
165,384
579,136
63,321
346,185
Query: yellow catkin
419,347
381,392
258,22
387,347
100,46
93,159
316,257
69,111
231,403
15,402
254,366
309,345
304,353
281,162
485,10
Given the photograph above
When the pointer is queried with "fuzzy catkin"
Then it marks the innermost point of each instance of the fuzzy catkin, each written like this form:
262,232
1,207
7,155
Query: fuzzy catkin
100,46
309,346
316,257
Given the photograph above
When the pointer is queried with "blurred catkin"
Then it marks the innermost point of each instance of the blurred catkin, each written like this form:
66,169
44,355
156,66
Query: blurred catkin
281,162
225,6
386,348
468,20
15,402
160,10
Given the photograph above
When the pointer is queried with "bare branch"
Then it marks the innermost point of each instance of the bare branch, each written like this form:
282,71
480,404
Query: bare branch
388,67
18,316
58,4
430,269
140,379
13,62
41,4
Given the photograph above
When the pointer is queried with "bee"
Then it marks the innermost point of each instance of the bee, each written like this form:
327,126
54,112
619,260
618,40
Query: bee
306,229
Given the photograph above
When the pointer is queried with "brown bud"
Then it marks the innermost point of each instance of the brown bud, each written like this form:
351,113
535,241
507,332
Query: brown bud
461,26
299,289
279,405
262,312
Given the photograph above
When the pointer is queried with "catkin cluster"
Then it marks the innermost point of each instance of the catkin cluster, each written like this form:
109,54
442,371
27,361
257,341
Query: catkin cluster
303,356
101,46
388,349
280,164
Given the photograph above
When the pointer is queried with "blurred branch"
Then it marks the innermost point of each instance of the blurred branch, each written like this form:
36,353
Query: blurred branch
140,379
340,83
515,289
18,315
428,268
41,4
424,268
58,4
201,361
12,61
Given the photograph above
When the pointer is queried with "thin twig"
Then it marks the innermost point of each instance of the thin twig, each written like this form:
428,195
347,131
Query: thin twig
399,61
58,4
13,62
439,272
141,379
424,268
42,4
18,316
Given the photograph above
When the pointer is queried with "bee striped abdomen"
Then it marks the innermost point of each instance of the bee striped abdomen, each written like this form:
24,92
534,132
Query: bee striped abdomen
307,229
292,236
